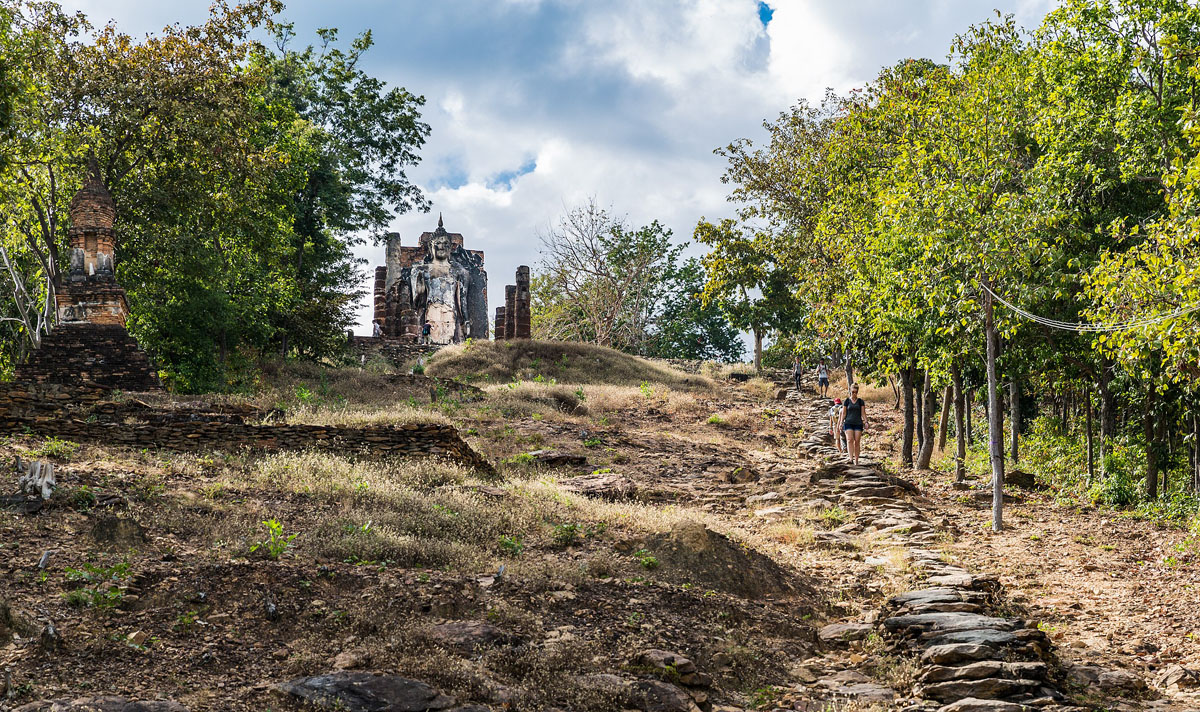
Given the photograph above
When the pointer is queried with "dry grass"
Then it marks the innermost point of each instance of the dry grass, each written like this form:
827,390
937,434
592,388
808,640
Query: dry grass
425,513
791,533
564,362
394,414
759,388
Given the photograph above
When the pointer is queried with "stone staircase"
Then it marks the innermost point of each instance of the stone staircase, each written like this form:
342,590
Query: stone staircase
103,354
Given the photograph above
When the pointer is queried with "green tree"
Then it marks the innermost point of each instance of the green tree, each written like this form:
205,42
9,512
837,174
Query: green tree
601,281
744,280
359,139
685,327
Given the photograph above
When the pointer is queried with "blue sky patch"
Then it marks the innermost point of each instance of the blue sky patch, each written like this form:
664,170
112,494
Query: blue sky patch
765,13
505,179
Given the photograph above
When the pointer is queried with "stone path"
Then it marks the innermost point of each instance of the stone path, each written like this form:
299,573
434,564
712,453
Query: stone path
973,656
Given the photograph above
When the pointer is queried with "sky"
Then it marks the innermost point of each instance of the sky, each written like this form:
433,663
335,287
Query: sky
537,106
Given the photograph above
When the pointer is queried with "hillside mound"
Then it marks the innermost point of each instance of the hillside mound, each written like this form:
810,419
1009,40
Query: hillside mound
566,362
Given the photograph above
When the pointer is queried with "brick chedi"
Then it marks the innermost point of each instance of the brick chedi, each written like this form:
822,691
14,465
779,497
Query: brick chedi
514,319
89,344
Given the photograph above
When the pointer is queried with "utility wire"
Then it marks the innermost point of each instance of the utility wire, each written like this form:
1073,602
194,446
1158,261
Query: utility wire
1083,328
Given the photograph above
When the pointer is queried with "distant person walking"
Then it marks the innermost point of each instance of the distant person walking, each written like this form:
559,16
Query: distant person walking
835,424
426,329
823,380
797,372
375,330
854,419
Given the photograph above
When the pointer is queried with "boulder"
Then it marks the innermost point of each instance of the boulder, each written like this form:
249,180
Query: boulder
101,704
468,636
975,637
1104,678
954,622
365,692
603,485
988,688
663,662
1177,677
972,704
554,458
844,632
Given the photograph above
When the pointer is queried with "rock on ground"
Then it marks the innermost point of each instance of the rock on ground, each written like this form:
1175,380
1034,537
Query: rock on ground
365,692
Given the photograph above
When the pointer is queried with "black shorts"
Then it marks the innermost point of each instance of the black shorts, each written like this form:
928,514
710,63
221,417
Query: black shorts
848,426
823,381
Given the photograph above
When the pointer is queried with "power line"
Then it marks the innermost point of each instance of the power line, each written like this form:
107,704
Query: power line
1085,328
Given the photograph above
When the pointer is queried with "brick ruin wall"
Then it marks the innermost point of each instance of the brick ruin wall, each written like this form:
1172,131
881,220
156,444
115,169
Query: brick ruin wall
401,353
85,412
514,320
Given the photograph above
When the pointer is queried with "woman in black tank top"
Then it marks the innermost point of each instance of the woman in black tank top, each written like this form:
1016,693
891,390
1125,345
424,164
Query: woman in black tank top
854,419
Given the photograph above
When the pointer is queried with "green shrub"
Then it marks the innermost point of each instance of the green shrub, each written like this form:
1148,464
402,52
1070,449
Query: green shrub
56,449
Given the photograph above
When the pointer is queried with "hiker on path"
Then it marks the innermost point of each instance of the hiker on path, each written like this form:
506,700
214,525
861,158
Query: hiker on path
375,330
823,380
835,423
425,331
854,419
797,372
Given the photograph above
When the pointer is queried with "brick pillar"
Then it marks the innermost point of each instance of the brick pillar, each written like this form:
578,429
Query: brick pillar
500,336
380,313
510,311
523,315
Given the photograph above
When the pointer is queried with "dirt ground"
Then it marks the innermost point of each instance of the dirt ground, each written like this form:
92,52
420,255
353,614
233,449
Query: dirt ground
700,536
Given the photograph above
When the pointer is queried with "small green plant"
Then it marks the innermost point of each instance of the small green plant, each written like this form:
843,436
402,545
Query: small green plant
186,620
418,369
834,516
635,619
566,534
82,499
56,449
277,543
646,559
764,697
303,394
103,590
579,392
715,419
521,459
593,442
511,545
646,389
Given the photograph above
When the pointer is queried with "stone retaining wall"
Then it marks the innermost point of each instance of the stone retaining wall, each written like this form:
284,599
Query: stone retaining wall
399,352
83,413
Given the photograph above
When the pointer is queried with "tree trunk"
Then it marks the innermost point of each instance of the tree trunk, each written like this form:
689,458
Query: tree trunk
849,373
928,405
1108,416
995,416
906,447
895,391
758,337
1149,431
944,424
960,432
1091,456
919,388
1195,453
1014,417
968,404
